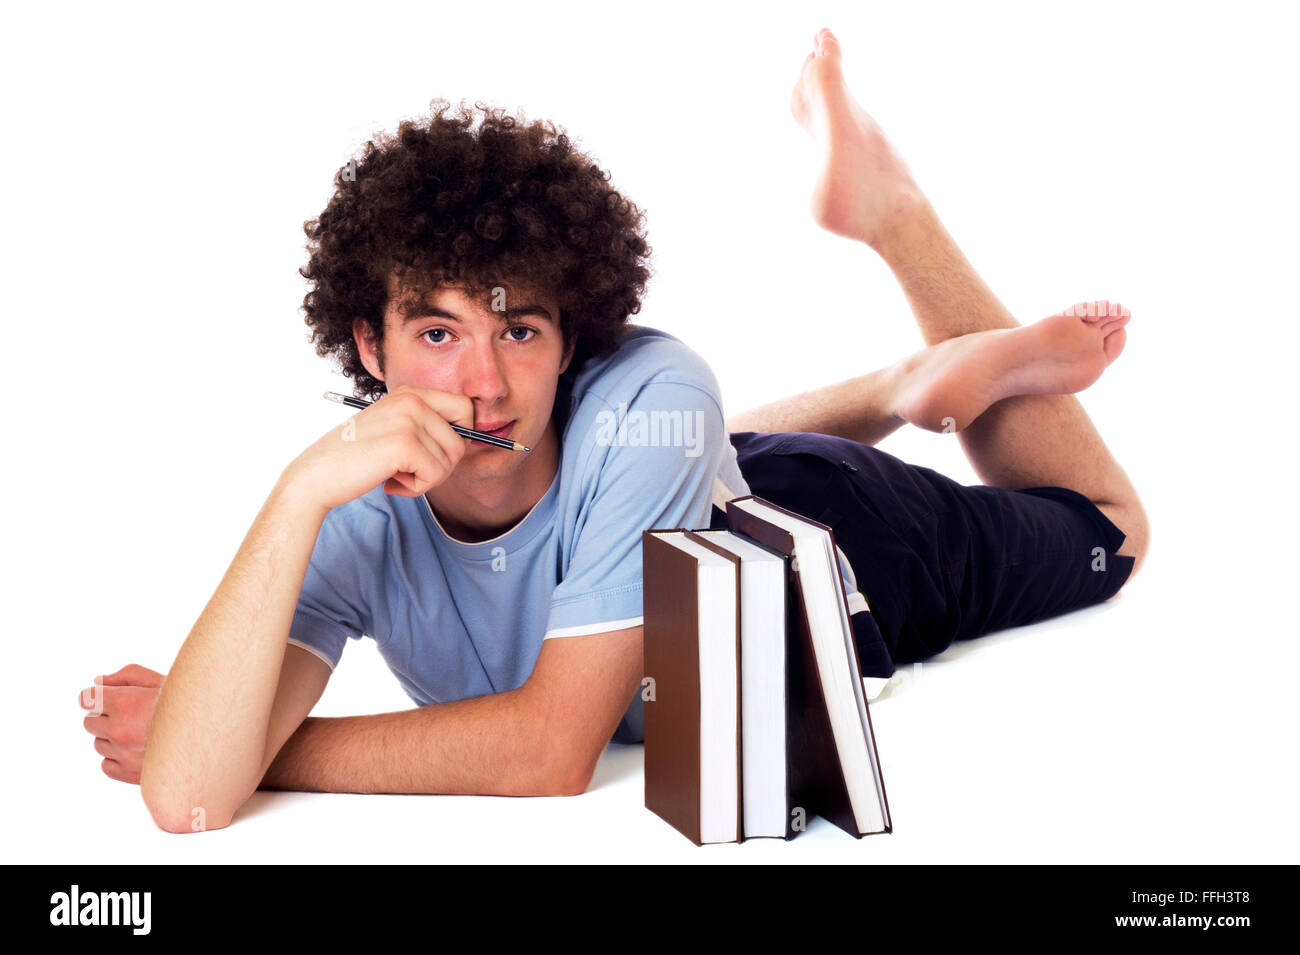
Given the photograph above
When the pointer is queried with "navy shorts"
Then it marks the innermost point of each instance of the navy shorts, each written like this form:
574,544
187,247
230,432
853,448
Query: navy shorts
937,561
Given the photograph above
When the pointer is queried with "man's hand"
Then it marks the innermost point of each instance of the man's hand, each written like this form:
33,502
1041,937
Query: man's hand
120,707
404,439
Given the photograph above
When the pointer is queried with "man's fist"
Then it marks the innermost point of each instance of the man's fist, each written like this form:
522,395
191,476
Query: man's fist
404,440
120,705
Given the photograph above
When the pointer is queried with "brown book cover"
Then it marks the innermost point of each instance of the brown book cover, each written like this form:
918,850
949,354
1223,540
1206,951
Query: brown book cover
672,660
816,776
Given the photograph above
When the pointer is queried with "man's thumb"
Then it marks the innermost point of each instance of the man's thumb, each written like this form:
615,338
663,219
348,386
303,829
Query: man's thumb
131,675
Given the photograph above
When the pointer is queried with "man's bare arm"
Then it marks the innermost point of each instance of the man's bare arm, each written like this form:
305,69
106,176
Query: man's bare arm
209,739
543,739
208,733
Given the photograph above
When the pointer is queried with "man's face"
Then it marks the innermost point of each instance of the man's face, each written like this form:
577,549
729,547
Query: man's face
505,353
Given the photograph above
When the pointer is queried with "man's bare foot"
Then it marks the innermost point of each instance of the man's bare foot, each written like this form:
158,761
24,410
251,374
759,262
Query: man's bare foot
864,184
948,385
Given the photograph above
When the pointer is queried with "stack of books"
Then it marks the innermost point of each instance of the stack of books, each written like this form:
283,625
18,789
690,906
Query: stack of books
755,716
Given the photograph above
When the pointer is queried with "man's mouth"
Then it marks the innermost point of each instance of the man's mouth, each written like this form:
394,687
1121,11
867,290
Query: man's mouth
499,430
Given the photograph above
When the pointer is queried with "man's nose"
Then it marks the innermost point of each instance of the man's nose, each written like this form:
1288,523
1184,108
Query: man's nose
481,376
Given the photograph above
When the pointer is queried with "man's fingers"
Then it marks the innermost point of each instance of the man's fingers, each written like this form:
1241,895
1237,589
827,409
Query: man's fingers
458,409
433,426
98,698
97,726
132,675
128,757
92,698
435,443
123,731
452,445
115,770
418,459
125,710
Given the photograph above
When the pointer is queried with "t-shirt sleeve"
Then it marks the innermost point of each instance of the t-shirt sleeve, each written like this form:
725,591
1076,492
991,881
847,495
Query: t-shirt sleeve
330,607
656,469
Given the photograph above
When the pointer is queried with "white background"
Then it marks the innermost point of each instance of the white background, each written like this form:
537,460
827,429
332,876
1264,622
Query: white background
161,162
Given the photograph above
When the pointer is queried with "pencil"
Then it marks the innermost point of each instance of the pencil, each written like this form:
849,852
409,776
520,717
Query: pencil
470,433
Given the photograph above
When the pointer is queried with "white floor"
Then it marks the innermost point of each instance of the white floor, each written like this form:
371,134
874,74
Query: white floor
1121,733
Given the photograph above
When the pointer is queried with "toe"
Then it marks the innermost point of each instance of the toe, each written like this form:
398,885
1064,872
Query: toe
827,45
1114,344
1091,312
1112,322
1112,318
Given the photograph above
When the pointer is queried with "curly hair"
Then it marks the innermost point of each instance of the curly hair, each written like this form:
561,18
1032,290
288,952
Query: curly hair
503,203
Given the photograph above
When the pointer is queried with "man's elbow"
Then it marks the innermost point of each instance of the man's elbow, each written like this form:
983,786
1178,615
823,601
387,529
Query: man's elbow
569,777
574,785
172,815
194,820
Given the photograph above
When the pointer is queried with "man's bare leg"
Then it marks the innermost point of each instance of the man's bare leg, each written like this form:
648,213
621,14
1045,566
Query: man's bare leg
861,409
1004,388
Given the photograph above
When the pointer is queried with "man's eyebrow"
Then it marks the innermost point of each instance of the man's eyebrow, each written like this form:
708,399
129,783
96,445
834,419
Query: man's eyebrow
413,311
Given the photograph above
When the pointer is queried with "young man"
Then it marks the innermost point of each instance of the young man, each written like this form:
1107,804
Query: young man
485,280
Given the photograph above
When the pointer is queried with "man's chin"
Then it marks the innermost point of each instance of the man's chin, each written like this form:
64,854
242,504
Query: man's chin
486,467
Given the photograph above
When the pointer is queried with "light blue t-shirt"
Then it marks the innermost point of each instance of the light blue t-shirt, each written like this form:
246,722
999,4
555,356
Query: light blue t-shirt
643,445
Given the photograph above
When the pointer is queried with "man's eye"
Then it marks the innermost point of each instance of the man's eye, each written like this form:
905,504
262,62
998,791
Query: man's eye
520,328
436,331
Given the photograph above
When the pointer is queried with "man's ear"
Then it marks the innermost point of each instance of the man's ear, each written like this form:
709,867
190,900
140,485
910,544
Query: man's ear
568,354
367,348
